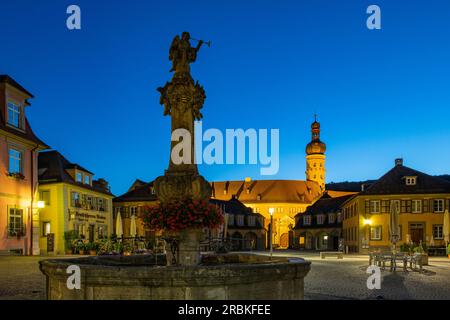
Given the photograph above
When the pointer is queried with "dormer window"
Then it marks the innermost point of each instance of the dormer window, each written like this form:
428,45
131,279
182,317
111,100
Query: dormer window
14,115
411,180
87,180
307,220
320,218
79,177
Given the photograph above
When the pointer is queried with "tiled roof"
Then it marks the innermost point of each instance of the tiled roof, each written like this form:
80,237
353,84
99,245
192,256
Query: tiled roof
52,169
393,182
324,205
142,193
267,190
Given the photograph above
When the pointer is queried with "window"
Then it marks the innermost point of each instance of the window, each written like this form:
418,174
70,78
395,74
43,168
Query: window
405,206
79,177
240,220
438,205
307,220
230,219
417,206
45,228
251,221
320,219
16,226
75,199
89,203
14,115
375,233
15,161
331,218
339,217
87,179
45,196
102,231
438,231
375,206
411,181
133,211
101,204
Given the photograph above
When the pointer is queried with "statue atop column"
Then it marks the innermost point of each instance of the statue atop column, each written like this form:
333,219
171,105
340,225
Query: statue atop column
182,99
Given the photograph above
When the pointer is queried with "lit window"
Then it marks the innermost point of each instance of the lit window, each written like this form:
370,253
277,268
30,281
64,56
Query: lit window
14,115
411,181
438,205
438,232
375,233
15,161
417,206
79,177
46,229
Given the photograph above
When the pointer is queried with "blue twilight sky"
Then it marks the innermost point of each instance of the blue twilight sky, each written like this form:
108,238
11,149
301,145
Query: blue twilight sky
273,64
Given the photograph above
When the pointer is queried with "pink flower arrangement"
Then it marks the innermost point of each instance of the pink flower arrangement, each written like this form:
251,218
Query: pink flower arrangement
184,214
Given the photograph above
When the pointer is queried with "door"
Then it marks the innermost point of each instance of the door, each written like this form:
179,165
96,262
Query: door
91,233
416,231
284,240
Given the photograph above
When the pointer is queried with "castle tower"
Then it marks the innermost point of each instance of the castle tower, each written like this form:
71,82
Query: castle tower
315,156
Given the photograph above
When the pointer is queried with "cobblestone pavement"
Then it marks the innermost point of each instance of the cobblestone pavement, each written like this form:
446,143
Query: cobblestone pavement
331,278
20,278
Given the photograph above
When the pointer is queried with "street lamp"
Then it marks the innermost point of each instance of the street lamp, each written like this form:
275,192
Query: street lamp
41,204
271,210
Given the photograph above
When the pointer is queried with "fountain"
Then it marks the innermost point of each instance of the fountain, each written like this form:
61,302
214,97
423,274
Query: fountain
184,273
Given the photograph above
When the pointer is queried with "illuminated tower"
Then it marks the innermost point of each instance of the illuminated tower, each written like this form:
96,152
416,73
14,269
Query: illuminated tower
315,156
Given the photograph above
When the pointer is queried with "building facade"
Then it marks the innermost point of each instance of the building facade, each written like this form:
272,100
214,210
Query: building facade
320,227
287,197
19,147
74,201
422,200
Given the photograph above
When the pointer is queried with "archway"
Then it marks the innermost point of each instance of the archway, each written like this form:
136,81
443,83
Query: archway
236,240
250,241
322,241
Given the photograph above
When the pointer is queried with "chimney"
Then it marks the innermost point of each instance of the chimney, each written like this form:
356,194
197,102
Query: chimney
399,162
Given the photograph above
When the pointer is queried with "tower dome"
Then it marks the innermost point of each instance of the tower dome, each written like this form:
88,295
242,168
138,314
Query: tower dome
315,146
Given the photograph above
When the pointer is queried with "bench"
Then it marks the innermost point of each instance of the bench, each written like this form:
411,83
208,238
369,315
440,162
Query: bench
338,254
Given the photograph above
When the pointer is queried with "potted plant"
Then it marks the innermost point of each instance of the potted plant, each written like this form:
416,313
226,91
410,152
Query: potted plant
69,238
91,248
448,250
81,247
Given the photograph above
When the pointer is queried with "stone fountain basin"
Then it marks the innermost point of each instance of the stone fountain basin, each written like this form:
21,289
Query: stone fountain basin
218,277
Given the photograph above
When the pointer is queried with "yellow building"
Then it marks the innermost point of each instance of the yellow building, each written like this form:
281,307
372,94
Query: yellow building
422,200
73,202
